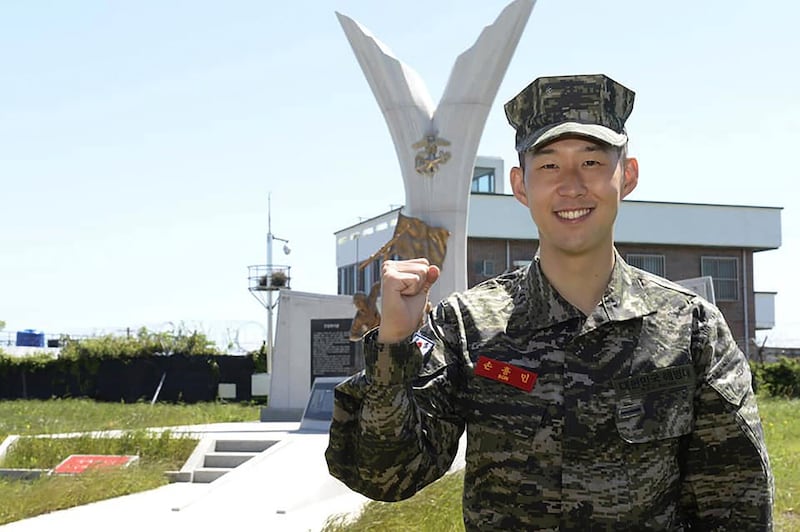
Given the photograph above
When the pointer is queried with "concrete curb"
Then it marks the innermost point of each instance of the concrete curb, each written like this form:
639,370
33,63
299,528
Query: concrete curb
6,445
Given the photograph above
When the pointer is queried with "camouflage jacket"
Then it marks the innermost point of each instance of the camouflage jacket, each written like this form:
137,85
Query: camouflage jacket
641,416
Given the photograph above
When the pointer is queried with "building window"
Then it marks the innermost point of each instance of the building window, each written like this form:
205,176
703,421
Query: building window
376,271
724,272
347,280
654,264
364,276
361,277
485,268
483,179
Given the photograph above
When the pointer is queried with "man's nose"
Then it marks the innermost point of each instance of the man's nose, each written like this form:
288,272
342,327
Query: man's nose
572,183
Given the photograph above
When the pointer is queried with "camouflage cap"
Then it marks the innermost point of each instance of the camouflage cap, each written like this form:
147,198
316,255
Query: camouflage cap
588,105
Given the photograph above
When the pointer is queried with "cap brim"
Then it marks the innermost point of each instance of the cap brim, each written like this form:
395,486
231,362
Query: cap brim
595,131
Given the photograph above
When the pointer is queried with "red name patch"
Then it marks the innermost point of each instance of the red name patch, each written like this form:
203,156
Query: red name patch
505,373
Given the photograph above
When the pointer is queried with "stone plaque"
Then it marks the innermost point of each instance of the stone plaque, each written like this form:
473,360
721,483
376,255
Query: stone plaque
332,352
79,463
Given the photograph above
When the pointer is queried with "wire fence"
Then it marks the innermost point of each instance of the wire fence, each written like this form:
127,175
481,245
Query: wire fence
231,337
34,339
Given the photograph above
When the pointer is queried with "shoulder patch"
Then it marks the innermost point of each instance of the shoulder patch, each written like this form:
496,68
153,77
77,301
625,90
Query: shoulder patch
424,344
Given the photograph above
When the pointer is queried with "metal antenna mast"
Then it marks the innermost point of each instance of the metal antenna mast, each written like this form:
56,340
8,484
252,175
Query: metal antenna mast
265,279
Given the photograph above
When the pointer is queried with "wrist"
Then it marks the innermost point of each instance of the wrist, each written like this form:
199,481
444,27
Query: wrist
390,364
391,337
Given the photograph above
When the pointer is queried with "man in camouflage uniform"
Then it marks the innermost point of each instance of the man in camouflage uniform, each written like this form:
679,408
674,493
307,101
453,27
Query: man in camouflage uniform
595,396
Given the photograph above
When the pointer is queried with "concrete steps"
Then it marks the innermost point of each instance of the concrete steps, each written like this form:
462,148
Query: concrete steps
214,458
226,460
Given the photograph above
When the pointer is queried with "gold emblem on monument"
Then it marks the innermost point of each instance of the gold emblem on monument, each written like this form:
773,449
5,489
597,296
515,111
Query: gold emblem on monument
430,155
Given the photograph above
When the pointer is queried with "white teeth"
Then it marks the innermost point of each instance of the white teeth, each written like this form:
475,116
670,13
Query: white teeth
571,215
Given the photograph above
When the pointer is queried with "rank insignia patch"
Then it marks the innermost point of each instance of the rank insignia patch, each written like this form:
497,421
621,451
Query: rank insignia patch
505,373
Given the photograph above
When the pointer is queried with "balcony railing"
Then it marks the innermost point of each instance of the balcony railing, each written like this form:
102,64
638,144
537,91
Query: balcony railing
264,277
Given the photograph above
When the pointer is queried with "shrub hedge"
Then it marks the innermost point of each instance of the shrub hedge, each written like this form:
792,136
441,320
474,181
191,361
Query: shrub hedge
778,379
183,367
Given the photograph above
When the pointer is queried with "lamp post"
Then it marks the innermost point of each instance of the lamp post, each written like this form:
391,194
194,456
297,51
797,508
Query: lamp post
270,272
263,279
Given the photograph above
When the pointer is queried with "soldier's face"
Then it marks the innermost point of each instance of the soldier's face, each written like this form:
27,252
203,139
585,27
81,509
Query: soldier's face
573,187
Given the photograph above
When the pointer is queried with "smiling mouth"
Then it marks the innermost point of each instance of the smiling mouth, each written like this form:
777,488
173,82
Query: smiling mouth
574,214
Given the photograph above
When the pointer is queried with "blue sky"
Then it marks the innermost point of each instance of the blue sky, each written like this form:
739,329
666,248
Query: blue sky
139,140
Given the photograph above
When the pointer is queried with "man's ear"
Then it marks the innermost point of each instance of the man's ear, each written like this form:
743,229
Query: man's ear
630,176
518,185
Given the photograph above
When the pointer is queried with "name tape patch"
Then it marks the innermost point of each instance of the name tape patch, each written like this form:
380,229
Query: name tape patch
505,373
660,379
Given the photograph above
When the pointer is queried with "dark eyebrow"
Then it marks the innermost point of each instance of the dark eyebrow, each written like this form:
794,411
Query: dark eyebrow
588,148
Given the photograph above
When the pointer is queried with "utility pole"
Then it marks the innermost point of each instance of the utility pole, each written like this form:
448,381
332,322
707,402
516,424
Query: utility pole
264,280
270,304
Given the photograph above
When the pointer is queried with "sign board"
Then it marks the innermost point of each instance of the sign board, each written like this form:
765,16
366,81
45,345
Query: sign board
332,352
79,463
319,410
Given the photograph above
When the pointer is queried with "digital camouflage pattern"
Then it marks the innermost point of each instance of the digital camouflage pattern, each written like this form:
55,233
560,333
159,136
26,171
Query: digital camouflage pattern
543,107
642,416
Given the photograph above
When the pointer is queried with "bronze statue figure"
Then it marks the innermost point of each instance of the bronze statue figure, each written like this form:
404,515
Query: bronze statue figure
367,315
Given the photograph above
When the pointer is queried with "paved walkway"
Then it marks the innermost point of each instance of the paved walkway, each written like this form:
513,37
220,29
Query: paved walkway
285,488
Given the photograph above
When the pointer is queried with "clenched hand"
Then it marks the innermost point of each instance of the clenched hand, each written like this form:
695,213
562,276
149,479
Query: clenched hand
404,295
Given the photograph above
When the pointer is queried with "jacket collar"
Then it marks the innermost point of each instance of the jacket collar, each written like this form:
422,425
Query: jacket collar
624,298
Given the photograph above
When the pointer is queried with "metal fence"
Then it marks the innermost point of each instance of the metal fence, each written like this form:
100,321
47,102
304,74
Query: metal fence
9,339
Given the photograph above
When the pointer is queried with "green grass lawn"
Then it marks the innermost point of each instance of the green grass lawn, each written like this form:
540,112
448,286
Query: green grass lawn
80,415
23,499
781,419
166,449
438,506
157,452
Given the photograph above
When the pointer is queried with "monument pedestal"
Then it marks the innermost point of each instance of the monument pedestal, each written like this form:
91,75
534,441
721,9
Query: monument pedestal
281,414
311,341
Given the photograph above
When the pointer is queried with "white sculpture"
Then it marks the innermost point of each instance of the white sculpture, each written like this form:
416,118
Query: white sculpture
436,146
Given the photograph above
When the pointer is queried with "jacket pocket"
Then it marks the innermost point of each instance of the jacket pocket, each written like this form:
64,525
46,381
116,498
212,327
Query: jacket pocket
655,406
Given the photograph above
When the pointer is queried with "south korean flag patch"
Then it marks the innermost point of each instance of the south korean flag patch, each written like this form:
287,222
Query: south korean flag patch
425,344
